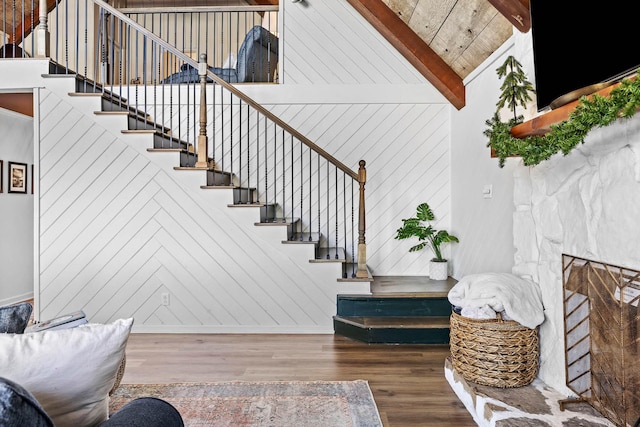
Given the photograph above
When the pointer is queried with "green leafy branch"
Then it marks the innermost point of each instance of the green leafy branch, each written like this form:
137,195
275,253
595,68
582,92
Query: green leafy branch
591,112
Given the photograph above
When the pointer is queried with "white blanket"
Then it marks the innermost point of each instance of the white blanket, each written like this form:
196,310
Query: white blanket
519,298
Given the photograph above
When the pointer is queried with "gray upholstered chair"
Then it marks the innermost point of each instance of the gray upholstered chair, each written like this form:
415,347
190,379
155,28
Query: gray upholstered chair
257,62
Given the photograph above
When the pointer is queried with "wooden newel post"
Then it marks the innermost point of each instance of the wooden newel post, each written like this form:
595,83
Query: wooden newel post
41,32
362,272
203,151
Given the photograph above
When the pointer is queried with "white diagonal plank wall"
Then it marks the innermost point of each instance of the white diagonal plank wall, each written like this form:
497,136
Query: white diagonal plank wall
121,230
120,227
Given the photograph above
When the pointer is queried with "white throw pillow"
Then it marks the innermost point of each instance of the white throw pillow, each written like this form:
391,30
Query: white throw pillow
70,371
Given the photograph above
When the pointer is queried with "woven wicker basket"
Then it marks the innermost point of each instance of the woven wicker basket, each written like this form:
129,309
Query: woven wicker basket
494,352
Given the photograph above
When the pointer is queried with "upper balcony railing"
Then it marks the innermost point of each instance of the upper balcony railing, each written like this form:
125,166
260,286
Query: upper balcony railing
241,42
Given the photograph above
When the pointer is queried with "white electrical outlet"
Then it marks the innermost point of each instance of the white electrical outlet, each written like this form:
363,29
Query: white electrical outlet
165,298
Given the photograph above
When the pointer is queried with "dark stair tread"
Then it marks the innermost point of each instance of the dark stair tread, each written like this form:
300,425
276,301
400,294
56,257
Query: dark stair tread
216,187
321,255
119,104
397,322
246,205
137,120
183,168
349,270
166,140
277,222
114,100
115,113
297,238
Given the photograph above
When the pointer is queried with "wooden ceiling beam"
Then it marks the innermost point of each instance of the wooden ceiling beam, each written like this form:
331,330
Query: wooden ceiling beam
516,11
413,48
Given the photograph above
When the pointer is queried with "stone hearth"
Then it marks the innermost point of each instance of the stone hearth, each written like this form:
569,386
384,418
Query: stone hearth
534,405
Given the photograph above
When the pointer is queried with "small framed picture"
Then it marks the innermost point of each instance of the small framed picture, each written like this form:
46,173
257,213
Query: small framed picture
17,176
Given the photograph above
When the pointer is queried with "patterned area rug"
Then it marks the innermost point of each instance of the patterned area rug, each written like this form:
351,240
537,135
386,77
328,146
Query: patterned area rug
273,404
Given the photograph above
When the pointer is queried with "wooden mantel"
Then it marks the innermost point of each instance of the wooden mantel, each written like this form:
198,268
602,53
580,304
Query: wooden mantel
542,124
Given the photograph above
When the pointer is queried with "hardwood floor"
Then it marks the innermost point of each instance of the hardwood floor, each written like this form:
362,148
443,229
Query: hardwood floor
407,381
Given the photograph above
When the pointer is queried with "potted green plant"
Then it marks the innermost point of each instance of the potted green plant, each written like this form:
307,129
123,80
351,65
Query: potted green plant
428,237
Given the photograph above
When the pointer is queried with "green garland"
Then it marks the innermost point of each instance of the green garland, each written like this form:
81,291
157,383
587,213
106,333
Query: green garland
595,111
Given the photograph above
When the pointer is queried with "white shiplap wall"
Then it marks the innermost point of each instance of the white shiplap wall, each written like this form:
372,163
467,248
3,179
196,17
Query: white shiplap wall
328,42
120,227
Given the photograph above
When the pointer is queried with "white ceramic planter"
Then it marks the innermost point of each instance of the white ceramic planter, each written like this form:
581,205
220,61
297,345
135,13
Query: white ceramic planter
438,270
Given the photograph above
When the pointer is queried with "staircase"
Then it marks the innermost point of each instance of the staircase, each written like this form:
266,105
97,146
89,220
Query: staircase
139,122
255,230
400,310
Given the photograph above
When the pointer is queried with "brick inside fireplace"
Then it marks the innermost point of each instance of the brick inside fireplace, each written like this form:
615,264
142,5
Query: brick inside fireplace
601,320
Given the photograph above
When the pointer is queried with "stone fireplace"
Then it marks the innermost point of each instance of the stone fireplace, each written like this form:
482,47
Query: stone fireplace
587,204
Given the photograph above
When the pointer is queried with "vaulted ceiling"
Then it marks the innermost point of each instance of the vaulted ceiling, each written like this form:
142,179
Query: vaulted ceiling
446,39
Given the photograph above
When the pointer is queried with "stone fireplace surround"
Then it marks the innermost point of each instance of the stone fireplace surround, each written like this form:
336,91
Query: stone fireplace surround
586,204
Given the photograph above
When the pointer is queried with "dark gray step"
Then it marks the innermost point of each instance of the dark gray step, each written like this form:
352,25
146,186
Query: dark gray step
265,209
290,223
268,212
137,123
394,330
313,238
143,122
188,159
349,273
216,177
276,222
244,195
162,140
330,255
380,305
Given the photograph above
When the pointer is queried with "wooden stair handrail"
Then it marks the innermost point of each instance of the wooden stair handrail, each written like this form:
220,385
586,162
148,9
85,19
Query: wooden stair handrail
306,141
201,65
